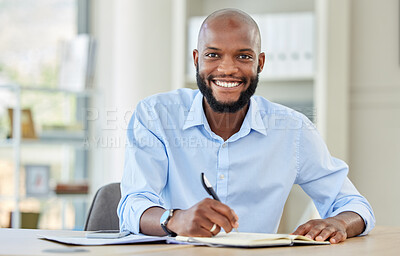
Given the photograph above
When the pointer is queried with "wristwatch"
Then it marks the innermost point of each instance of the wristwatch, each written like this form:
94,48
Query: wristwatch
167,215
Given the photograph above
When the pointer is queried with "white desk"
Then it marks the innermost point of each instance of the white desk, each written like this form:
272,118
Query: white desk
382,241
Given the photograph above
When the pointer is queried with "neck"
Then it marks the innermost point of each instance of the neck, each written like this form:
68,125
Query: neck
224,124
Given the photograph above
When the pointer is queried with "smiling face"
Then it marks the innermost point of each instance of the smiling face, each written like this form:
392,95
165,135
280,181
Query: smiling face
228,61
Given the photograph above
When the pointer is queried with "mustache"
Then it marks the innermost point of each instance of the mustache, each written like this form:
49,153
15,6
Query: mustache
213,77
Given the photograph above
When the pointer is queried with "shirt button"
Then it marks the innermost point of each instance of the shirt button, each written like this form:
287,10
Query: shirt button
221,177
224,145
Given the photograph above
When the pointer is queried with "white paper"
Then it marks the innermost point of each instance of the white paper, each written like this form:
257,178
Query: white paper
81,240
242,239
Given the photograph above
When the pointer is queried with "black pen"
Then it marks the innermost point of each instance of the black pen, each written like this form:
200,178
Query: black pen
208,187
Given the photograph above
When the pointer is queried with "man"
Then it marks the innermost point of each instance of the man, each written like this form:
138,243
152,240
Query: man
251,150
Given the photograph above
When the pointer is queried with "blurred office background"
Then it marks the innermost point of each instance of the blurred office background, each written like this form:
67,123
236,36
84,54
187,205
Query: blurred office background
72,72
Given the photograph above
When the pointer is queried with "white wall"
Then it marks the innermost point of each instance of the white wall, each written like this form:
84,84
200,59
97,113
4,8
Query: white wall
332,74
375,105
134,54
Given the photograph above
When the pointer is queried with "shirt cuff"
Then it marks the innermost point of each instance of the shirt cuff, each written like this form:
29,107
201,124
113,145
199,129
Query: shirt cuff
132,217
365,214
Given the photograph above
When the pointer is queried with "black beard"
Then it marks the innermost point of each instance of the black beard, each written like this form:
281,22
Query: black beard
221,107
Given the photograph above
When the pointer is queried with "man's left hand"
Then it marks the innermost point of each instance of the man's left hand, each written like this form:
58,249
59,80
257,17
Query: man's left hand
335,229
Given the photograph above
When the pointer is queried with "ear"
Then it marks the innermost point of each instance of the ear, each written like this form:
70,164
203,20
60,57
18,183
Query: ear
195,57
261,61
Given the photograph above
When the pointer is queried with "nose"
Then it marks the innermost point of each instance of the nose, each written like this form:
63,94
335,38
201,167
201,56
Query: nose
227,66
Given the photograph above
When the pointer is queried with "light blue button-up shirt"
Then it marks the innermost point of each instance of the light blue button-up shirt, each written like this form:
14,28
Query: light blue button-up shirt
170,143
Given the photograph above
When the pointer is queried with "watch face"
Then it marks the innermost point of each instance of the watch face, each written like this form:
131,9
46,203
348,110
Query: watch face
164,217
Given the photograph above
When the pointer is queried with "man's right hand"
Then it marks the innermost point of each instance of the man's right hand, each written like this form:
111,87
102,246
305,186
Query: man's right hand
200,218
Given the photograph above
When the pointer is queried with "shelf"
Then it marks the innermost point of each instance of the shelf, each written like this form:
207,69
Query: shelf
50,196
44,141
8,86
6,143
84,93
205,7
283,79
287,79
6,198
53,195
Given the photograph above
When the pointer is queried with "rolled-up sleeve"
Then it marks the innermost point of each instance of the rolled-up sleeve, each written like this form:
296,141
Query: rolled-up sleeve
145,160
324,179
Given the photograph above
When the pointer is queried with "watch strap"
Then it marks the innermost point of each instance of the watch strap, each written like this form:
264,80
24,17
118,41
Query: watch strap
165,223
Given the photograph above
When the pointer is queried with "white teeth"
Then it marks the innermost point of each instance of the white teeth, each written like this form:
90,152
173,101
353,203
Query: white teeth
226,84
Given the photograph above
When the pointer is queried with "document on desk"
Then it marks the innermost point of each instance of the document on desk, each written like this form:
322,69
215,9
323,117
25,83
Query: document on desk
251,240
82,240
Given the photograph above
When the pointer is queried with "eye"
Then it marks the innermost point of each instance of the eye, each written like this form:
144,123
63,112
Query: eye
245,57
212,55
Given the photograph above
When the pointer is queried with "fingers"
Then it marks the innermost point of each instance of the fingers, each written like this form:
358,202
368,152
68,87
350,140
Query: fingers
221,221
200,219
227,213
206,231
214,230
302,230
322,234
340,236
221,215
321,230
236,219
315,231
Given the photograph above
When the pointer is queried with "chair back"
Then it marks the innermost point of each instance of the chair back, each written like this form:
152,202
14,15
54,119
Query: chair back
103,211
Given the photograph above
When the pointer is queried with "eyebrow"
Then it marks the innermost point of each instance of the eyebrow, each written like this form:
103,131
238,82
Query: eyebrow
241,50
213,48
246,50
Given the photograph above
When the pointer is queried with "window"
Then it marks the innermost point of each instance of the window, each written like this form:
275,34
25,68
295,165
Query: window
30,45
32,33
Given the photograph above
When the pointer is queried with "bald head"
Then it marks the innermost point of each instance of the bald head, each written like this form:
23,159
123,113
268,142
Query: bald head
228,59
230,19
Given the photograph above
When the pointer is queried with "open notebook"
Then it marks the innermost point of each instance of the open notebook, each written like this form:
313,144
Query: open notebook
235,239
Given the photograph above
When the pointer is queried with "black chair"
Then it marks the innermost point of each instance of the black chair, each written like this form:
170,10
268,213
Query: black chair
103,211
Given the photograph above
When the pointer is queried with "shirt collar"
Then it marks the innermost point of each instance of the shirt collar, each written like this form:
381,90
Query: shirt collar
196,114
253,119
